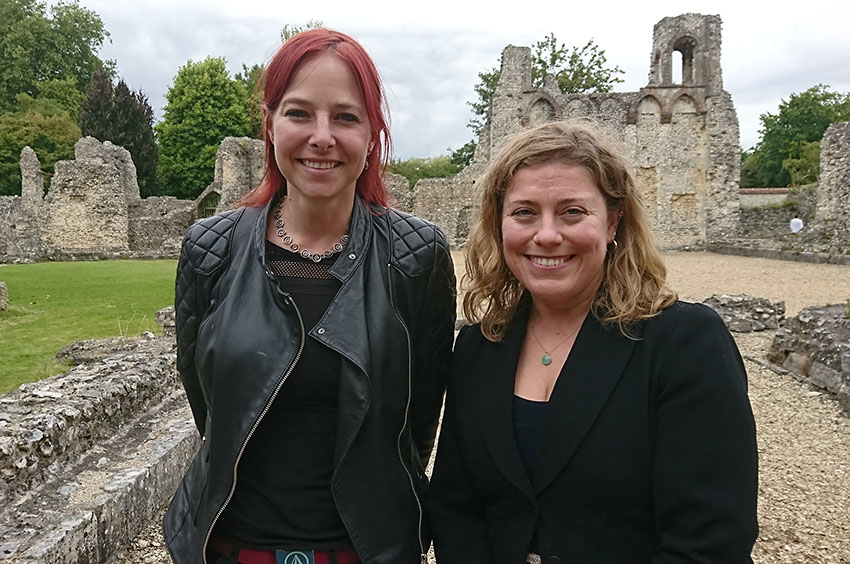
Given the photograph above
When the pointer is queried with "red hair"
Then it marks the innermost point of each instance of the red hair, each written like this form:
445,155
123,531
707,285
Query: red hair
276,76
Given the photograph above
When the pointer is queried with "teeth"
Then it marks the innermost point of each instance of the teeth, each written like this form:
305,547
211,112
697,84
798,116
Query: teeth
548,261
320,165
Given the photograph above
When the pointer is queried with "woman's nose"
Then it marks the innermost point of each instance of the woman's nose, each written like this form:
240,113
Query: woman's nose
548,232
322,137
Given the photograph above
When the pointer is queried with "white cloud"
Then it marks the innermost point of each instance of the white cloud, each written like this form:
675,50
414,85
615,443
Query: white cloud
429,54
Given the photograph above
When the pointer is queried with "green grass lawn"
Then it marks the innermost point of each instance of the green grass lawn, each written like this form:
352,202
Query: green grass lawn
53,304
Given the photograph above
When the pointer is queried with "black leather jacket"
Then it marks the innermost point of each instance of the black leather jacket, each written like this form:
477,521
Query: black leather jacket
239,337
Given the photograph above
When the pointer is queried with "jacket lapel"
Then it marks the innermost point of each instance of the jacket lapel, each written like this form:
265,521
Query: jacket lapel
584,385
497,367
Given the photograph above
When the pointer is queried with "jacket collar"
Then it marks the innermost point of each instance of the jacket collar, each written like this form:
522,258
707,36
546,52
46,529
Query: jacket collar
588,377
359,236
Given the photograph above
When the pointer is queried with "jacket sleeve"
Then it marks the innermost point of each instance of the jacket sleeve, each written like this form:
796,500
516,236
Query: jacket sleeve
187,319
433,338
705,467
454,509
205,250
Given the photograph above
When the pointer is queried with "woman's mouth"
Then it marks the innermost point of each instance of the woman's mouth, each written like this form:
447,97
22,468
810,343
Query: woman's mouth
548,261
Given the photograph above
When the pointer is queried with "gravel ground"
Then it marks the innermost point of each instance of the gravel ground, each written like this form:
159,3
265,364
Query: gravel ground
804,439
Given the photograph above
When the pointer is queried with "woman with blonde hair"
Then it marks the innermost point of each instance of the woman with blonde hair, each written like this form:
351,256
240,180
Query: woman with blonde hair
591,417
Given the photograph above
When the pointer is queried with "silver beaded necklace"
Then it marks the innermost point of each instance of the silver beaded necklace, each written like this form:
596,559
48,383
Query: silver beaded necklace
295,247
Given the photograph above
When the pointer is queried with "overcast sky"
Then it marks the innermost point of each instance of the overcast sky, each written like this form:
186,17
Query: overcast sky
429,53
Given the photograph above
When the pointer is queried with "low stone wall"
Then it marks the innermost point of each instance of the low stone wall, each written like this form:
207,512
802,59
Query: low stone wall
815,346
89,457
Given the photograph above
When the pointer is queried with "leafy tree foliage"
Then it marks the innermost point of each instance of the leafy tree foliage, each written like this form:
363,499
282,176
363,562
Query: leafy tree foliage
463,156
289,30
203,106
96,106
415,169
576,70
249,81
124,118
64,92
38,47
43,125
786,138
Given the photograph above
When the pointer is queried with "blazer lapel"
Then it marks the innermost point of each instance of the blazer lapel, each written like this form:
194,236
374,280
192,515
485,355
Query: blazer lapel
584,385
497,367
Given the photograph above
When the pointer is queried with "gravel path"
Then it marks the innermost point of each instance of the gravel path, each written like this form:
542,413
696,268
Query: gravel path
804,440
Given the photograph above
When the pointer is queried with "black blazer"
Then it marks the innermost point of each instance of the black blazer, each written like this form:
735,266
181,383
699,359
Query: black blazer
647,453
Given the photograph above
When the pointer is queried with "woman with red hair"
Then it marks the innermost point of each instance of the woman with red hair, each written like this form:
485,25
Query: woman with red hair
315,327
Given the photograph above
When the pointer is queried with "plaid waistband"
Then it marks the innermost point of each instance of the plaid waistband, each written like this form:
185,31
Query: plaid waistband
254,556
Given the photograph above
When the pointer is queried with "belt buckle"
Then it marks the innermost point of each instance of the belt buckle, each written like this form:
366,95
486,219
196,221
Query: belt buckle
533,558
295,557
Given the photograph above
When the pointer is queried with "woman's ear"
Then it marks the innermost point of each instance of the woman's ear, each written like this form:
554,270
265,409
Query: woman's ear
267,123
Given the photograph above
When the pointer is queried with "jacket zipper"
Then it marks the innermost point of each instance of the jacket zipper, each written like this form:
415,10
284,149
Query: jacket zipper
422,554
286,374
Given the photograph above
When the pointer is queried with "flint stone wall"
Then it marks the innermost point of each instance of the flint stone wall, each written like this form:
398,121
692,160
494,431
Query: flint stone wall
815,345
88,458
4,297
743,313
46,425
681,137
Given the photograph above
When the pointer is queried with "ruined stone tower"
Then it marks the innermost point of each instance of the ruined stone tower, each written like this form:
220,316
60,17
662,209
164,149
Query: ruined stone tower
680,132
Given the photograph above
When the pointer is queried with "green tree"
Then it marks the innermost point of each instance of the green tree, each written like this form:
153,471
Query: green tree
124,118
289,30
415,169
249,80
786,136
96,106
576,70
63,91
462,156
203,106
43,125
131,117
38,47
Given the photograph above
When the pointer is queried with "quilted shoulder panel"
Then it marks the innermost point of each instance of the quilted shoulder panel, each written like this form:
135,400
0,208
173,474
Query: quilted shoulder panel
207,243
415,242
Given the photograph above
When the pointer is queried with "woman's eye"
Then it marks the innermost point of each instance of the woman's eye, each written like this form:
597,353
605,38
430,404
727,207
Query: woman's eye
574,212
522,212
348,117
295,113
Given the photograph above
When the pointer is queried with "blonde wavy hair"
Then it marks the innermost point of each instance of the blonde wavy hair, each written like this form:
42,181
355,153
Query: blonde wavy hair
634,285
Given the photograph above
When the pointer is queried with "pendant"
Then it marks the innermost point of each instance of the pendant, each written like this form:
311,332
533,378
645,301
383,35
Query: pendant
546,359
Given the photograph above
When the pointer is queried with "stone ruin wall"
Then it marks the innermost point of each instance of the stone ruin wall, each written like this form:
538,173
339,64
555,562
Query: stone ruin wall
682,138
93,208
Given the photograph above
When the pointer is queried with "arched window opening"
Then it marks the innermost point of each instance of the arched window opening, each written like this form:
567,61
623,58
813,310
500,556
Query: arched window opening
683,61
209,205
677,67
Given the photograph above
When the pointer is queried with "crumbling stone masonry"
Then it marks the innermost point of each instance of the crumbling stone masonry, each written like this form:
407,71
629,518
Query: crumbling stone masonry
681,135
815,346
833,194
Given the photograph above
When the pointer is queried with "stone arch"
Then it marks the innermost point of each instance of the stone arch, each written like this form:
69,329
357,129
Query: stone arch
578,108
687,46
685,104
540,111
648,109
208,206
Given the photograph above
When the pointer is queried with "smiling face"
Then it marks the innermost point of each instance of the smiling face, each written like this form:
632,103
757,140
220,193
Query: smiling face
555,231
321,131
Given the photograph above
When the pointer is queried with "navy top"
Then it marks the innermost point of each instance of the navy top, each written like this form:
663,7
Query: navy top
528,423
